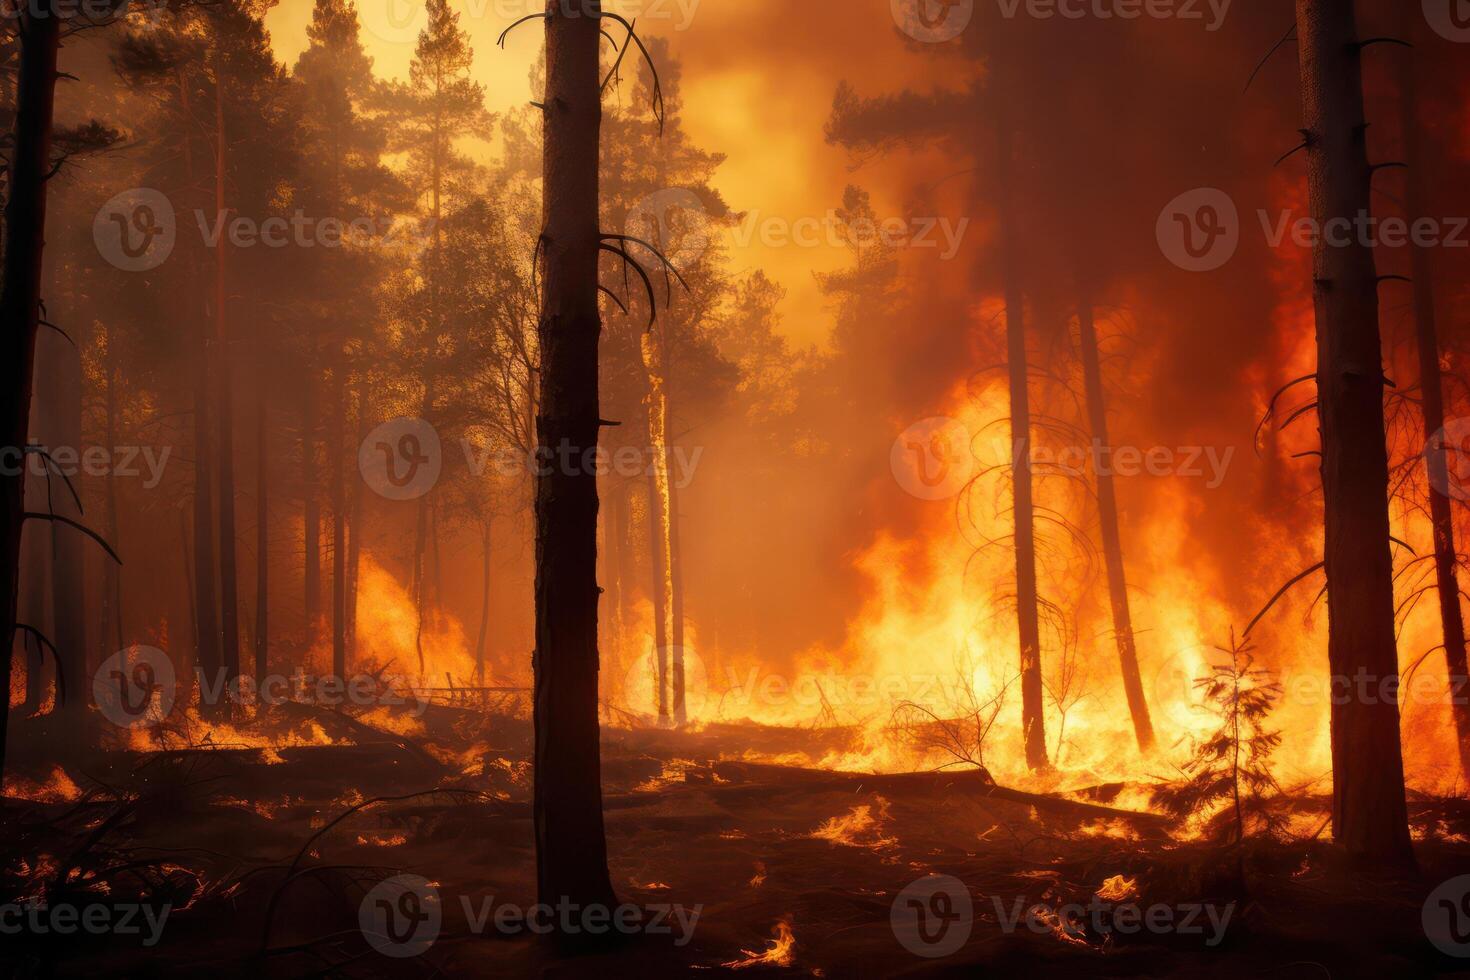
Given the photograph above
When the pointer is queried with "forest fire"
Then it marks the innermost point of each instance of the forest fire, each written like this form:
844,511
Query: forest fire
841,489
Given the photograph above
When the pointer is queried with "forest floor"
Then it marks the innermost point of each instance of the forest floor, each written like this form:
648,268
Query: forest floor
266,857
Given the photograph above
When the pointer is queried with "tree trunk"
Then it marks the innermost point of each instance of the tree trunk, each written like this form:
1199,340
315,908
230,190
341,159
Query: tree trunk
1368,815
59,402
262,514
228,567
1028,621
571,848
339,526
485,528
1112,541
676,567
35,582
1431,385
20,302
354,553
313,513
112,576
659,592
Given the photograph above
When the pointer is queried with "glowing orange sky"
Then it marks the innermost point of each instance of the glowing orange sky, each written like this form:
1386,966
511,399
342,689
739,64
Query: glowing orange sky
758,86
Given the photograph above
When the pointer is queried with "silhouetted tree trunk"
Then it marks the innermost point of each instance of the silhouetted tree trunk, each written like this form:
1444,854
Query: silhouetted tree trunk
35,583
59,402
228,570
571,848
1431,384
1027,617
20,301
113,630
313,535
339,526
1368,815
1112,541
354,553
262,513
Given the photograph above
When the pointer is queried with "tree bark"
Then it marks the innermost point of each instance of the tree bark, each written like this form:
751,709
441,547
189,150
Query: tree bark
20,303
339,525
1369,814
228,566
1431,385
571,847
60,425
262,514
313,513
1028,621
1112,540
354,553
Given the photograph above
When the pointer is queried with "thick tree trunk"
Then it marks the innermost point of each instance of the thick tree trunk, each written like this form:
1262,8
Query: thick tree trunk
1023,507
1431,385
59,373
20,303
228,566
1369,816
571,847
262,514
35,584
313,512
1112,540
354,553
113,629
339,526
